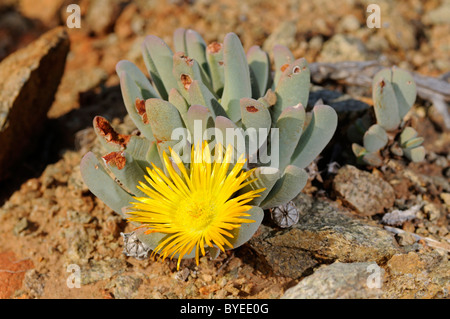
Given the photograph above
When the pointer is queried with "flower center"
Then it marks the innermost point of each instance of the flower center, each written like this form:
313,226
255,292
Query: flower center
197,212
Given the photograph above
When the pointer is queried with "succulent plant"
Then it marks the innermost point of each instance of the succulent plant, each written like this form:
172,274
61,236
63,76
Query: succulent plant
394,93
222,88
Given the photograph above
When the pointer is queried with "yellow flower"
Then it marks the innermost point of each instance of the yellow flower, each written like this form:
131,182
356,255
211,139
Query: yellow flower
197,209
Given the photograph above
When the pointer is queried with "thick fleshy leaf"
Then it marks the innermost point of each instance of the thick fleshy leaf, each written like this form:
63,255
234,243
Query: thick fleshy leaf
138,147
375,138
134,99
236,67
293,87
266,177
403,85
152,156
385,105
258,62
196,49
177,100
164,118
108,137
230,133
287,187
126,170
405,90
407,134
414,142
199,94
214,56
256,122
144,85
244,233
416,154
373,159
254,114
102,185
199,118
158,60
316,136
185,71
282,57
358,150
290,124
179,40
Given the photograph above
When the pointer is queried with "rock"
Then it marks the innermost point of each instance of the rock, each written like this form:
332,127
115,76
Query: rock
413,275
283,35
28,82
439,15
102,15
343,48
102,269
49,17
340,281
34,283
400,33
13,273
446,198
349,23
363,191
432,211
323,234
125,286
22,225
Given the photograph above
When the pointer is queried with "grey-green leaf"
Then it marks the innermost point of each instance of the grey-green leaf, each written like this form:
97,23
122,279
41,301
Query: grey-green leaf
318,133
293,87
258,62
102,185
290,185
375,138
158,60
236,67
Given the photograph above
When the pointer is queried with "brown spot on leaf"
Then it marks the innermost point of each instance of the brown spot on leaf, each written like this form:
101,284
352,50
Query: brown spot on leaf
284,67
140,108
115,159
214,47
186,80
382,85
106,130
220,63
187,60
296,69
251,109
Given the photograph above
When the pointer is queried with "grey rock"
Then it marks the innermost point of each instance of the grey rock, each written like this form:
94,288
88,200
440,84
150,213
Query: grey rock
323,234
418,276
28,82
366,193
283,35
22,225
439,15
340,281
343,48
125,286
34,283
101,270
102,15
